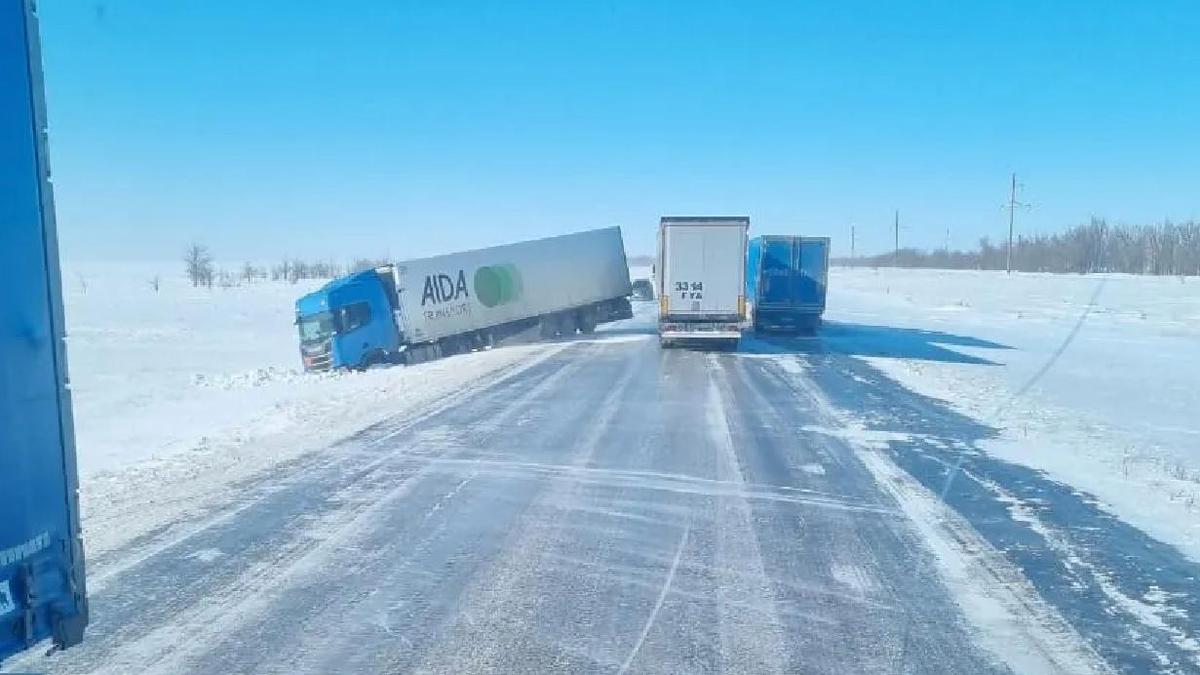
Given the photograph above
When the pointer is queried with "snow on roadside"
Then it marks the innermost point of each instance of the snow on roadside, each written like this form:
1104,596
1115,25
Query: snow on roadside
155,373
181,392
995,598
1113,414
1010,619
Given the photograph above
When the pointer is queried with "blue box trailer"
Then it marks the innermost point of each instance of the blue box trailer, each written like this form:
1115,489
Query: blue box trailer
42,594
786,281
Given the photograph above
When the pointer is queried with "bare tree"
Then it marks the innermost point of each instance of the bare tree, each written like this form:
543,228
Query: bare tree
282,271
249,272
199,265
226,279
364,264
296,269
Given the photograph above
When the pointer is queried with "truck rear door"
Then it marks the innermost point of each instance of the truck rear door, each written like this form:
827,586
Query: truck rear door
41,558
813,272
704,267
778,278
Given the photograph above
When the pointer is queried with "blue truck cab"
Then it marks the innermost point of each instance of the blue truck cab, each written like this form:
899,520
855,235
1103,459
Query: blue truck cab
349,322
786,280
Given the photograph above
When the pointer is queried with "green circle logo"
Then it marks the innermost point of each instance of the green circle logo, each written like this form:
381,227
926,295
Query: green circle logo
497,284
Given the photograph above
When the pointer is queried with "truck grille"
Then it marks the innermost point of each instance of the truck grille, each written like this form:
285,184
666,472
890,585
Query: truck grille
317,356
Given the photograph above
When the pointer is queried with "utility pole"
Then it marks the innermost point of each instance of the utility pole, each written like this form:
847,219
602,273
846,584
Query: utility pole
896,252
852,261
1012,207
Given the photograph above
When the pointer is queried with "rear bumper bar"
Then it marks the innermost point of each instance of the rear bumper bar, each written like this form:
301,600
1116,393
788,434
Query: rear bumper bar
700,334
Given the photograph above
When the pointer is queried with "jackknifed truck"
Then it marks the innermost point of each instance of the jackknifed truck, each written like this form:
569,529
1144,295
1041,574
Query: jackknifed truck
42,592
422,309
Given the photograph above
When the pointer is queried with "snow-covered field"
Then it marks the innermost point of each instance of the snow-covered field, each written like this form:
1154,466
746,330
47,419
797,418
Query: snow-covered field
178,393
1092,379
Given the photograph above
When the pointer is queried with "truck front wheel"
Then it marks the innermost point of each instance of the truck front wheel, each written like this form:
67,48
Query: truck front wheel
371,358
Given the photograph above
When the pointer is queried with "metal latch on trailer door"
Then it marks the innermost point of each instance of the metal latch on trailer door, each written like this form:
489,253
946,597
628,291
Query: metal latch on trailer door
8,604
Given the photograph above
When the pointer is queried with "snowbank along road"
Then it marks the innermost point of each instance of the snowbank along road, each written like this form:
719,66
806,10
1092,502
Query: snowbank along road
614,507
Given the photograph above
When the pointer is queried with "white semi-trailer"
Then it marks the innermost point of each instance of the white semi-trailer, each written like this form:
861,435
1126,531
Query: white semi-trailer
701,279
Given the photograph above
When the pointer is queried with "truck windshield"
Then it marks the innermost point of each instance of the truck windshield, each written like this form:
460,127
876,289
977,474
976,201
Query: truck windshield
316,327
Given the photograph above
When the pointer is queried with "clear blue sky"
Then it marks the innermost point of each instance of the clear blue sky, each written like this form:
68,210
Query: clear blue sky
407,128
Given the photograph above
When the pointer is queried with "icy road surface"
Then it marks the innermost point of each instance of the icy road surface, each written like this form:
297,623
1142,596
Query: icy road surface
619,508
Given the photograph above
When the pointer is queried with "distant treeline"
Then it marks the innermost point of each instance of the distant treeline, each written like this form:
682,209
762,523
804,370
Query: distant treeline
1165,248
201,270
295,270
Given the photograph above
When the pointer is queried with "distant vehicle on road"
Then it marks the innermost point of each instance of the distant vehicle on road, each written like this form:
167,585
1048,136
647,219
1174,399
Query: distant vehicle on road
42,590
422,309
786,281
701,279
643,289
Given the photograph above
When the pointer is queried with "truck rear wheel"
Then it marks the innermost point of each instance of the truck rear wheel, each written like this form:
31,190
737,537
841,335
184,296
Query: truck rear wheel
809,325
452,345
559,323
421,354
585,321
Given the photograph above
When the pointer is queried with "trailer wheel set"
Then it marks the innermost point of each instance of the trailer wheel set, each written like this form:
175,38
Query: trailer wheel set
561,324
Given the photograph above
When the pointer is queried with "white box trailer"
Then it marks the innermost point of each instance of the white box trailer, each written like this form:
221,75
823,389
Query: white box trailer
701,279
462,292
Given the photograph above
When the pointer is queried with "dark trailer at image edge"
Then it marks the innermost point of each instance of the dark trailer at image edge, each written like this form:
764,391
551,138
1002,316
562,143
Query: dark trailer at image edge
42,592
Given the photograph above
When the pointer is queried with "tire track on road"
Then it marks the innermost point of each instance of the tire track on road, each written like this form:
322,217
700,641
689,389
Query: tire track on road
498,614
1008,616
751,630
